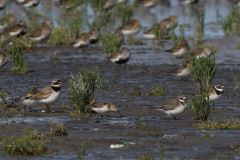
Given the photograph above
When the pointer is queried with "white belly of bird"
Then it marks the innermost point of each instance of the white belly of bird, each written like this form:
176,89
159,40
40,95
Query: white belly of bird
181,52
51,99
103,109
113,60
80,43
38,39
15,33
3,62
179,110
131,31
149,36
184,73
214,97
29,4
149,4
29,103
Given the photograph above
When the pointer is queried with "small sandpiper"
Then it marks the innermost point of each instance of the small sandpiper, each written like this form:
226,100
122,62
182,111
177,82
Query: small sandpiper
94,35
131,28
175,106
25,99
18,29
109,4
121,57
3,58
4,36
48,95
180,49
148,3
30,3
215,92
182,71
7,21
43,31
83,41
204,52
151,33
103,107
120,35
2,4
170,22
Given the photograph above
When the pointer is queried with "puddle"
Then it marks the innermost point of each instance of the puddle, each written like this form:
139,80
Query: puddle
169,136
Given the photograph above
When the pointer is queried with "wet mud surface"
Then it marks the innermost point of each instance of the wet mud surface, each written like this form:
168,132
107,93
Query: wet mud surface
178,137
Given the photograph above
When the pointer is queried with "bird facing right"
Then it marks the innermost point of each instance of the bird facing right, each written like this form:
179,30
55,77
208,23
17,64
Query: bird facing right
175,106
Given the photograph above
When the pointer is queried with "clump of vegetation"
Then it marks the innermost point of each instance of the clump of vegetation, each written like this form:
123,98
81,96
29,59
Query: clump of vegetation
214,124
201,106
3,95
57,129
206,134
124,12
231,22
160,91
237,45
236,83
97,5
202,71
22,146
175,38
199,32
65,35
33,134
82,88
15,53
134,41
6,115
81,152
141,122
111,44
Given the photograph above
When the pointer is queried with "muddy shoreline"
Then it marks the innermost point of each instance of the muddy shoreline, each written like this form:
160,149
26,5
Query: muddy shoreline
178,137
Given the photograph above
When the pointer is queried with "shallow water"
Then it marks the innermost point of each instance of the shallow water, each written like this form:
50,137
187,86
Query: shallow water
145,70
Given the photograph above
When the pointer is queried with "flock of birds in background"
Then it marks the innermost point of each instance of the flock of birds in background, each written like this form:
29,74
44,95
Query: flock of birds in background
51,93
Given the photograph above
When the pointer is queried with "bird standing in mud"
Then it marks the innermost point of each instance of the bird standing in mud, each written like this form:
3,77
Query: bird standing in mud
215,92
131,28
94,34
121,57
48,95
180,49
103,107
175,106
25,99
83,41
182,71
19,29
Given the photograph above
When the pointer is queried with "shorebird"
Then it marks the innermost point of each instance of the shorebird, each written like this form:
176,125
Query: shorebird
215,92
103,107
18,29
3,58
170,22
109,4
148,3
204,52
94,34
151,33
131,28
25,99
175,106
48,95
182,71
30,3
4,36
43,31
121,57
83,41
120,35
7,21
180,49
2,4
